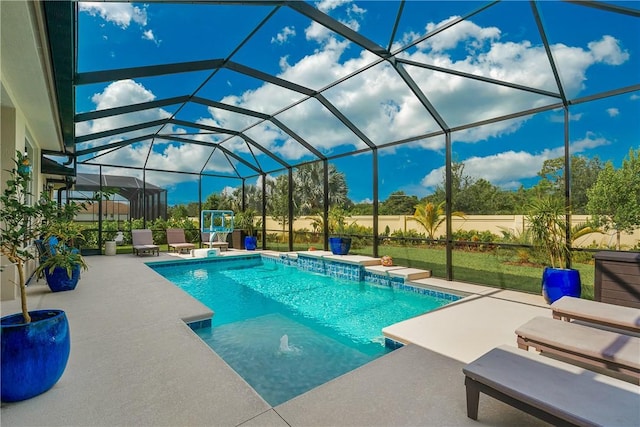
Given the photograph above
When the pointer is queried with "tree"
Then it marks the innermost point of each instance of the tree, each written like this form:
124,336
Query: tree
309,188
308,182
584,173
481,197
614,200
178,211
431,216
398,203
362,208
252,198
278,200
217,201
473,195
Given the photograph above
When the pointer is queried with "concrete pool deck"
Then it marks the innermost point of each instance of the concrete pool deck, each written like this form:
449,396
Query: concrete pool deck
135,362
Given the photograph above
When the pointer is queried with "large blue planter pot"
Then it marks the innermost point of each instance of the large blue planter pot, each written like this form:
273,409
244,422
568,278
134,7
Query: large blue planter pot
340,245
34,355
250,243
59,279
559,282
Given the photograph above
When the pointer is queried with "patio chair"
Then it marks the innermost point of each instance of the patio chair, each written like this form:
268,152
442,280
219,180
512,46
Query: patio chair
611,315
211,241
552,390
177,241
143,242
609,352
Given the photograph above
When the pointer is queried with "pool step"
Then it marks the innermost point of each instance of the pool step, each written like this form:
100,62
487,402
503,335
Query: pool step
408,274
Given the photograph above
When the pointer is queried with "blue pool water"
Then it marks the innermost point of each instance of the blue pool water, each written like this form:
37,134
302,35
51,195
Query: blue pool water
287,331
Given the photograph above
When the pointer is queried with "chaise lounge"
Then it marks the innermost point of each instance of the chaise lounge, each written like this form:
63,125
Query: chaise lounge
143,242
614,316
552,390
595,348
177,241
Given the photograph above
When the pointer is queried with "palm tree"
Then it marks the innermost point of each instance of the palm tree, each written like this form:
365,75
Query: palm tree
309,191
431,216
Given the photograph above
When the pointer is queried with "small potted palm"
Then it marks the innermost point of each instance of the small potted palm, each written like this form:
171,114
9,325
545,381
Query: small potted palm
548,226
62,268
35,344
62,262
250,239
339,242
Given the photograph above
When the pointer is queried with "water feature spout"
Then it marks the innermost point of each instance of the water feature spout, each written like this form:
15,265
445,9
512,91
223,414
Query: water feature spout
284,343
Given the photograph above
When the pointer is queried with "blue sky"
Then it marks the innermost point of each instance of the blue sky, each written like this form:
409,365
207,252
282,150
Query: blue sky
594,51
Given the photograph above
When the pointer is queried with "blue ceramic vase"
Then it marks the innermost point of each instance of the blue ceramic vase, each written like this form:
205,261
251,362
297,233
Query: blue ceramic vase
340,245
34,355
250,243
559,282
59,279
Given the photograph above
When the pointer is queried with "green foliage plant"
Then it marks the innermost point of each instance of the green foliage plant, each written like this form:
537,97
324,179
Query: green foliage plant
245,220
548,225
65,257
431,216
338,221
21,222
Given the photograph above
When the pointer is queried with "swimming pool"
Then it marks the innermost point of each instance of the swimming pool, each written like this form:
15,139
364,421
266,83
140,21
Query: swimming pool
286,331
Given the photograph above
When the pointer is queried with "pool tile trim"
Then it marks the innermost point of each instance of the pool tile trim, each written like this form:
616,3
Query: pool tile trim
196,261
376,275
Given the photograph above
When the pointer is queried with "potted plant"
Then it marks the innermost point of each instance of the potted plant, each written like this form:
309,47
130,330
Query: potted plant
35,344
62,261
548,227
339,243
239,230
62,268
250,240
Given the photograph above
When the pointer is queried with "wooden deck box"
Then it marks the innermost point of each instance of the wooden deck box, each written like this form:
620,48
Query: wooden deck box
617,278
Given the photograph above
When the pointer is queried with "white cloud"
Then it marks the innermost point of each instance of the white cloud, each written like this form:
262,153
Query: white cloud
634,97
121,14
355,9
148,35
329,5
612,112
463,32
165,155
228,191
507,169
608,50
559,118
284,35
317,32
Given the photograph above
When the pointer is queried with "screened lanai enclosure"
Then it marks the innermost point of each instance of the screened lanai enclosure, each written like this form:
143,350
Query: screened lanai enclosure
343,116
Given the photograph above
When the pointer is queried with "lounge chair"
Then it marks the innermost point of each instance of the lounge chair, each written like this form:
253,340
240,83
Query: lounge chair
212,241
589,346
614,316
550,389
177,241
143,242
